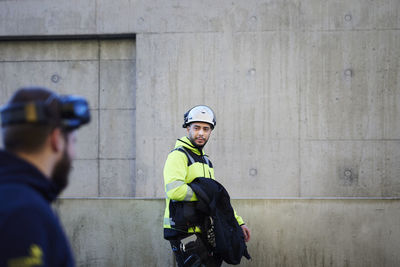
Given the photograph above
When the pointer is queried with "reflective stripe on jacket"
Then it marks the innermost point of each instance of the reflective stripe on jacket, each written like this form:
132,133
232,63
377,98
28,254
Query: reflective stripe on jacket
180,169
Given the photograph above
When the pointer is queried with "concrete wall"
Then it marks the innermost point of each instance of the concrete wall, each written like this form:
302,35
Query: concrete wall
101,70
307,100
126,232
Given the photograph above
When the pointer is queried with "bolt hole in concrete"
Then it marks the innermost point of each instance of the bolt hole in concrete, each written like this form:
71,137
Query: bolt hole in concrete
55,78
252,71
347,173
348,73
253,172
347,17
349,177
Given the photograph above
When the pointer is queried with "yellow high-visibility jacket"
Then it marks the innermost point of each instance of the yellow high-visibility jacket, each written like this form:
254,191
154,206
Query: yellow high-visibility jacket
184,164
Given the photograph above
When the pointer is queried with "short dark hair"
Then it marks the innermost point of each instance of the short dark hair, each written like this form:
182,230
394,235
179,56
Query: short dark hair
29,137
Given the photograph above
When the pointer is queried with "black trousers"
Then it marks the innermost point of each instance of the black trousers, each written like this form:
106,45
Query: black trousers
180,256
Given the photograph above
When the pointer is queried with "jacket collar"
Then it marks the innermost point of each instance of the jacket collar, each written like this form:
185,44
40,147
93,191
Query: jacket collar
18,171
185,142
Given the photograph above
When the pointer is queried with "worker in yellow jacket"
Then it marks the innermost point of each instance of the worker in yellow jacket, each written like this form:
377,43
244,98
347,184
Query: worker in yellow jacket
185,163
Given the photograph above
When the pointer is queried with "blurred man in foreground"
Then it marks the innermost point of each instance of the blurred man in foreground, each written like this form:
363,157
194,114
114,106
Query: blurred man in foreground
38,128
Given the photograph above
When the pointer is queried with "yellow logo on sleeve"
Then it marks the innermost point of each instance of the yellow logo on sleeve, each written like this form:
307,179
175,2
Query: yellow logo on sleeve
34,258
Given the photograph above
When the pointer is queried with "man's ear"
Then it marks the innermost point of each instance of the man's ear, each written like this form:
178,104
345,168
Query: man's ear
57,141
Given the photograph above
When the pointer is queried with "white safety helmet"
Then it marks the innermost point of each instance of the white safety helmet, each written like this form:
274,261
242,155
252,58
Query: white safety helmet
199,113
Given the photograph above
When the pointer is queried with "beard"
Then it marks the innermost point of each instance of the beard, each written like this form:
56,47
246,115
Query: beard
193,141
61,171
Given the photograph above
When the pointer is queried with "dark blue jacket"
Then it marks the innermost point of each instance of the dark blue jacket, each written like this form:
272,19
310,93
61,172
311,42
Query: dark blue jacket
30,233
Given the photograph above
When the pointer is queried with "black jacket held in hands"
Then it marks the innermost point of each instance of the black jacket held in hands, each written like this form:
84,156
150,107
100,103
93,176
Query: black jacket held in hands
214,202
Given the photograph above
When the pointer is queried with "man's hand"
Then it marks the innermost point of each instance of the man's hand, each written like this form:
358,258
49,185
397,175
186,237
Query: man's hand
246,232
